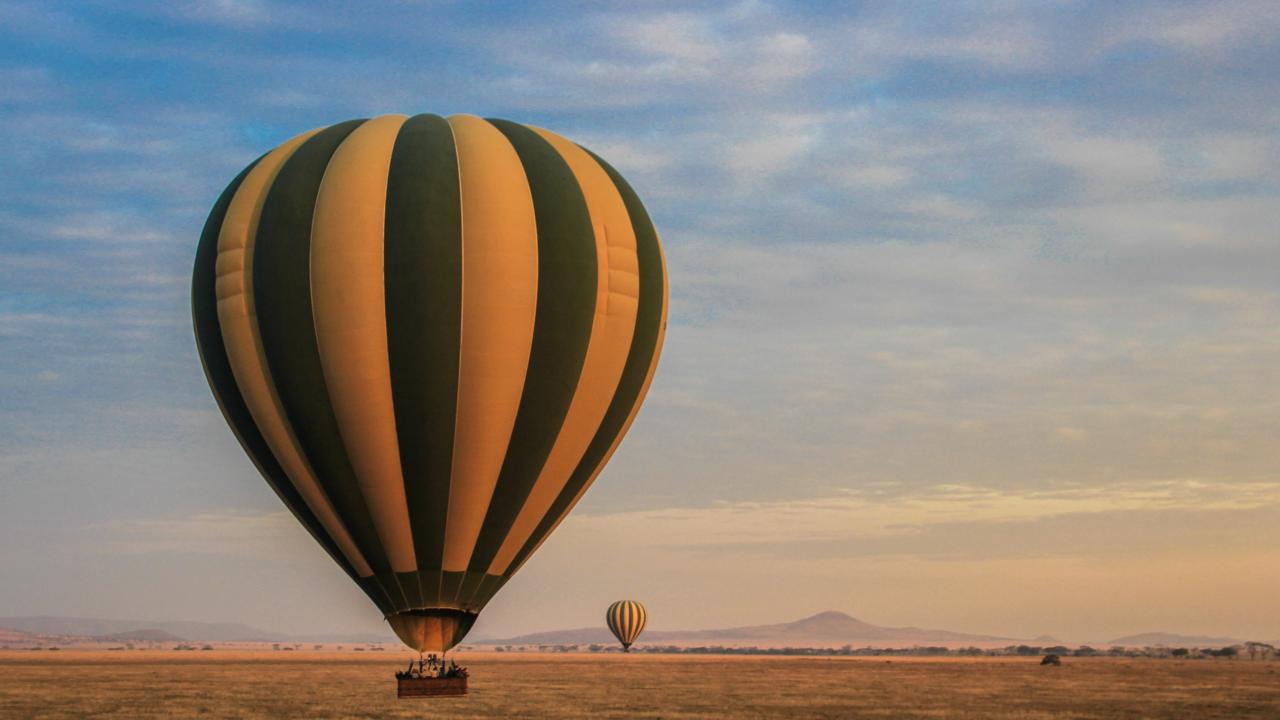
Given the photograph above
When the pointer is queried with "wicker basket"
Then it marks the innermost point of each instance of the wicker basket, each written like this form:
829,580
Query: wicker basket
412,687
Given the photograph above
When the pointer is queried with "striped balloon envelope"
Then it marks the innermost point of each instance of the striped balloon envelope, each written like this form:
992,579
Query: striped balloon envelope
429,334
625,619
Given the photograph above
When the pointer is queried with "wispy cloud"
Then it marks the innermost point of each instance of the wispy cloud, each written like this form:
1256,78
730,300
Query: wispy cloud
899,517
1223,27
271,535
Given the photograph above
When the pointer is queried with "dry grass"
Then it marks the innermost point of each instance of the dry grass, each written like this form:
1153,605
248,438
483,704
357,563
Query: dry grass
160,683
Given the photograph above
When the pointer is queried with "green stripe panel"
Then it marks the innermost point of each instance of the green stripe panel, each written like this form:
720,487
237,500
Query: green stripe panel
488,588
644,343
217,368
282,290
412,588
471,582
567,285
450,582
373,588
424,324
429,582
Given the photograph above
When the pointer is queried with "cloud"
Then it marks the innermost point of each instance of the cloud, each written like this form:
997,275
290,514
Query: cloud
686,39
1006,42
897,519
1225,25
240,13
1083,564
638,58
1104,164
274,535
103,227
775,145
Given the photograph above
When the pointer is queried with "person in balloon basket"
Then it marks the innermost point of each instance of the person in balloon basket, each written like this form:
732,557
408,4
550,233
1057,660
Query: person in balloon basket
433,667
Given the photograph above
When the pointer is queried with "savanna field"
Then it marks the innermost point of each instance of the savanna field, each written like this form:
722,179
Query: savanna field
266,684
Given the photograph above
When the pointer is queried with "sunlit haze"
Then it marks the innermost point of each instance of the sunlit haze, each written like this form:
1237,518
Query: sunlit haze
973,314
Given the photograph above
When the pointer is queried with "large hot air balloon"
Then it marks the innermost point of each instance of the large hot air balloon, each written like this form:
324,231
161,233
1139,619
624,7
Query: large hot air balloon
625,619
429,334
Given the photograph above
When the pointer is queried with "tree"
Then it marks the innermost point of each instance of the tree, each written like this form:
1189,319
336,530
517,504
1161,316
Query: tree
1258,650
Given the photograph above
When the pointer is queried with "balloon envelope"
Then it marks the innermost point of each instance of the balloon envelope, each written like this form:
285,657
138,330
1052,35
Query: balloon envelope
625,619
429,334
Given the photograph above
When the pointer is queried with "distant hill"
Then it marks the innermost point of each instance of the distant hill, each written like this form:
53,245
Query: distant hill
10,638
169,631
9,635
827,629
143,635
1174,640
96,627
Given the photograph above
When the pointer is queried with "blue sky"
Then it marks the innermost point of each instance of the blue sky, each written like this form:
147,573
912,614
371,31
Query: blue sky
963,295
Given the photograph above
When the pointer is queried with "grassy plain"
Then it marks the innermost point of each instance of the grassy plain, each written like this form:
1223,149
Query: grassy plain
317,684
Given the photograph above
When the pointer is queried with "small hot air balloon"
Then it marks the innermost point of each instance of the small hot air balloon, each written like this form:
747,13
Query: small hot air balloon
429,334
626,621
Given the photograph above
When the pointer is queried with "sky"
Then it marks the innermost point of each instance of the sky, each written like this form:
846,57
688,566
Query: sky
973,316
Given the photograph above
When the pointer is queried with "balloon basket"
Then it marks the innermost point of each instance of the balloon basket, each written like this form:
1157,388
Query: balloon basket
423,687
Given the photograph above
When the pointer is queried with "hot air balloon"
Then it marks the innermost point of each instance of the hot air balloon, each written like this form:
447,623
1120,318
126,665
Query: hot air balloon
429,334
625,619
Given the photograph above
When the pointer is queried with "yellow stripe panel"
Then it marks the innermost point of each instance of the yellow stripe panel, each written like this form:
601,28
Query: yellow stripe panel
349,304
238,319
499,300
611,332
644,390
648,378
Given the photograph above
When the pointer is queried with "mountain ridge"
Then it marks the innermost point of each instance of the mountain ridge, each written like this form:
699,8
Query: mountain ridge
825,629
57,625
1174,639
